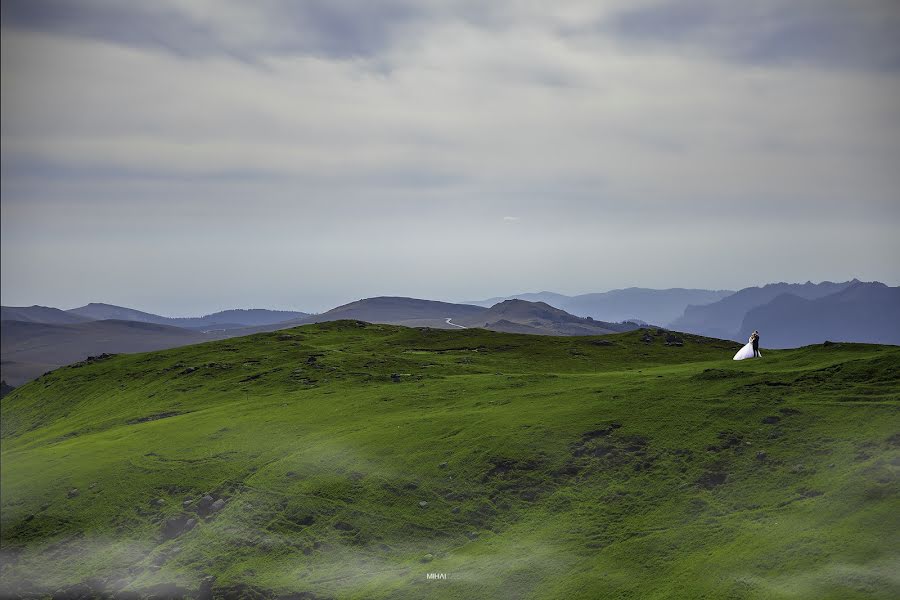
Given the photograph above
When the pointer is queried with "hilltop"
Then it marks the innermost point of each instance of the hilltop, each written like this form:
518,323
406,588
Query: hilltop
348,460
39,314
397,310
520,316
510,316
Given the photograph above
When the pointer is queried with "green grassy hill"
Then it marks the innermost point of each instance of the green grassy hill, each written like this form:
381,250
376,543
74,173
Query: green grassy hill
345,460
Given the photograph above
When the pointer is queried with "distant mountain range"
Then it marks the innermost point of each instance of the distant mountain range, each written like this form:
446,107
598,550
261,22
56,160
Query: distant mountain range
657,307
521,316
724,318
30,348
38,338
511,316
861,312
39,314
226,319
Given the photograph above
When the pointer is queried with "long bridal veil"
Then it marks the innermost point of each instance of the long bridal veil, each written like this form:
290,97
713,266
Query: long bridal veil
745,352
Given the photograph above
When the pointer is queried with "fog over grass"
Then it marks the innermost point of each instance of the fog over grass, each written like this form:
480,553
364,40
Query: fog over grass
185,157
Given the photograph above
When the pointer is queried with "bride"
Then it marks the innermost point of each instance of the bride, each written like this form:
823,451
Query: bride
751,349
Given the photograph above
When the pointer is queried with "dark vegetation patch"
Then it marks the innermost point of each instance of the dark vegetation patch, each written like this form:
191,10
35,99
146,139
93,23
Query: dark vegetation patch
33,526
712,479
719,374
604,449
728,440
91,360
156,417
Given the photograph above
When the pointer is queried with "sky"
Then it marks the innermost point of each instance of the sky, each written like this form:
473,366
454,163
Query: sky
188,156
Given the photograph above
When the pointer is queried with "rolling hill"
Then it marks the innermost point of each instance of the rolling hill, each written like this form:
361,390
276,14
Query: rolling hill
863,312
396,310
510,316
520,316
39,314
658,307
227,319
32,348
99,311
37,339
346,460
29,349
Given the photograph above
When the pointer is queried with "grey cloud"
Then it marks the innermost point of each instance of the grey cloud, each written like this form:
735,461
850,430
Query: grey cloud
185,156
837,33
331,28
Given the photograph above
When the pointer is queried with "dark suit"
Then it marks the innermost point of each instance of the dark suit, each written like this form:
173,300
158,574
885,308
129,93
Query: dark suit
755,346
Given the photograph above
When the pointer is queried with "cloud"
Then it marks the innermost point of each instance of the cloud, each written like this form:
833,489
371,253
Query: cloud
197,29
132,130
830,33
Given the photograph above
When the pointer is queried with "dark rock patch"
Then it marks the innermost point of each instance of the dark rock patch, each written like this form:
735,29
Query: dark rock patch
176,526
674,340
712,479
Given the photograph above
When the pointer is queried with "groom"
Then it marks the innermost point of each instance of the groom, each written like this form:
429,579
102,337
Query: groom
755,338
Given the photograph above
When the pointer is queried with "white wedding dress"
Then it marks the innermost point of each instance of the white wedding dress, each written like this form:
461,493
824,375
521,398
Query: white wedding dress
746,352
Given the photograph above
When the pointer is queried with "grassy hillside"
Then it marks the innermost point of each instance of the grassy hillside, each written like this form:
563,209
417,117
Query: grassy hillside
351,460
30,348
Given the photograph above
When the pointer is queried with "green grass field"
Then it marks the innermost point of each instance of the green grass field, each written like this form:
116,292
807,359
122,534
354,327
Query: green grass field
355,459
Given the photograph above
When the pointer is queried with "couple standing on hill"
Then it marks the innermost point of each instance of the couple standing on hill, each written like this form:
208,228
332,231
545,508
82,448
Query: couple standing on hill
751,350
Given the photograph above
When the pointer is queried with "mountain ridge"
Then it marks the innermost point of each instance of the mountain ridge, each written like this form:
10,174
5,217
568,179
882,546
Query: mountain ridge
522,316
862,312
230,318
723,318
656,306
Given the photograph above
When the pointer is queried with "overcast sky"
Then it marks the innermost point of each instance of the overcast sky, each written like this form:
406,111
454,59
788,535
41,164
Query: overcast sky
185,156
